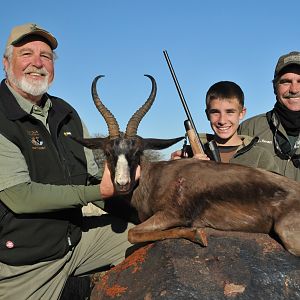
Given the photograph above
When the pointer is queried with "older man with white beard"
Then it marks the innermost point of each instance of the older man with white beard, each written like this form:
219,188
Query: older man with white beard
45,179
29,80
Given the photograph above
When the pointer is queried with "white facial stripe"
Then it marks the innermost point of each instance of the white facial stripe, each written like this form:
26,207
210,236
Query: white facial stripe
122,176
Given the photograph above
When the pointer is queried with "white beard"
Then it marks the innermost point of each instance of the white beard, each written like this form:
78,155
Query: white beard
28,86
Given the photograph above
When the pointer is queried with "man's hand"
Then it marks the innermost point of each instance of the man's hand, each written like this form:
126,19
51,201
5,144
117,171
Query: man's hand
106,186
137,173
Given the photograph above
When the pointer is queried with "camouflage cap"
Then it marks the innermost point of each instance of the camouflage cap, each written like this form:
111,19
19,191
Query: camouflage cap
292,58
22,31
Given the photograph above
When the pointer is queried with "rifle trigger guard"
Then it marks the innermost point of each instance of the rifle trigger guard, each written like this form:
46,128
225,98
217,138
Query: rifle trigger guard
183,150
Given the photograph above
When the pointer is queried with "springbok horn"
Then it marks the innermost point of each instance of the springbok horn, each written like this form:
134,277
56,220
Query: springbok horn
133,123
112,124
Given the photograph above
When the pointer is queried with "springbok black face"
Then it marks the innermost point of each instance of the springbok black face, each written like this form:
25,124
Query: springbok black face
123,151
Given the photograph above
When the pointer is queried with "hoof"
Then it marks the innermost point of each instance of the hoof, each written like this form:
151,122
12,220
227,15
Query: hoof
200,237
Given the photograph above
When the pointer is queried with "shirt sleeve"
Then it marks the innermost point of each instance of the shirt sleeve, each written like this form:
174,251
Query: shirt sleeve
32,197
14,169
21,195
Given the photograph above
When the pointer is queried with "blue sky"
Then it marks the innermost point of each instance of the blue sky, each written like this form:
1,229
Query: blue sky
207,41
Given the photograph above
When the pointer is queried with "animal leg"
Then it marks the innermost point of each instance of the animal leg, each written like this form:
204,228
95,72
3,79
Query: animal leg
161,226
196,235
288,229
159,221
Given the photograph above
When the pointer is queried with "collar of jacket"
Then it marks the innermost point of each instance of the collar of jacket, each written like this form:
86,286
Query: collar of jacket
281,141
248,143
247,140
275,123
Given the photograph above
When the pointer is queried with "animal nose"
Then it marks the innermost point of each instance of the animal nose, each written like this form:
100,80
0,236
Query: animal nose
125,187
122,181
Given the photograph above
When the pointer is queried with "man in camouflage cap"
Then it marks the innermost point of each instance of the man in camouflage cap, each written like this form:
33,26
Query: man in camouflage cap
279,129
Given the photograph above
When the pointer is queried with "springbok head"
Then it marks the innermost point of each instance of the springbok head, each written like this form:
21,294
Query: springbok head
124,150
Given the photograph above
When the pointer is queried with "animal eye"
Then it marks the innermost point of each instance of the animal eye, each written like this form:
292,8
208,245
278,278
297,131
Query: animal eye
137,153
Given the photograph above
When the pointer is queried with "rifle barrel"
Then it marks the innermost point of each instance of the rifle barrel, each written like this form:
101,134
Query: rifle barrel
181,96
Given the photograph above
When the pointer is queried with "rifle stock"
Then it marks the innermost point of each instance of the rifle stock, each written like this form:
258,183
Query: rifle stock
197,148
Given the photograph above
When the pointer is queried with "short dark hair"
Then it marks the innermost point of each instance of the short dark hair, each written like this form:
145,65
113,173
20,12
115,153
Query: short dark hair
225,90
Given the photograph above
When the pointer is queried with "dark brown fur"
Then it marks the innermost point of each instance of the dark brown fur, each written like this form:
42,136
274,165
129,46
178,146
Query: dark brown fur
197,194
177,198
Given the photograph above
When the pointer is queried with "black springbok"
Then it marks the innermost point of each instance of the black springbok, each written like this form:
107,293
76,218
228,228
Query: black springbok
178,198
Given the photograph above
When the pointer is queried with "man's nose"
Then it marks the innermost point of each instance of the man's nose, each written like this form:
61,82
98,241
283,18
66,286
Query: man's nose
295,87
37,61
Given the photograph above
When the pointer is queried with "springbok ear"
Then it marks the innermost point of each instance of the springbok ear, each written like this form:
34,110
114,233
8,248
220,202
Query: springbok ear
159,144
92,143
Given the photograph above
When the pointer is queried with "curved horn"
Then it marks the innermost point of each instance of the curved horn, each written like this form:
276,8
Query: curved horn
112,124
133,123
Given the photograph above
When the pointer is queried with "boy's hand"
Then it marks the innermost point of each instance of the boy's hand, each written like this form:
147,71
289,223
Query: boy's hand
178,155
201,156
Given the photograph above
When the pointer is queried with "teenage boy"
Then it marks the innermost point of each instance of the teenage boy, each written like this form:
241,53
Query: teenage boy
224,110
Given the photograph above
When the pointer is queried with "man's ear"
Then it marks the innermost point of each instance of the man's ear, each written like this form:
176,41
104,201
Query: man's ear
274,82
5,64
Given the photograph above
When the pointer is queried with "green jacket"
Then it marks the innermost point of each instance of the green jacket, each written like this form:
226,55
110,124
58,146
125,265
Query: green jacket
249,154
259,126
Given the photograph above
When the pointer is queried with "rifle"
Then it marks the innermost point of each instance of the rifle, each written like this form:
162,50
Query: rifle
192,133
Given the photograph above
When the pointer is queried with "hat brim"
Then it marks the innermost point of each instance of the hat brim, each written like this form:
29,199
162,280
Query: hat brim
52,41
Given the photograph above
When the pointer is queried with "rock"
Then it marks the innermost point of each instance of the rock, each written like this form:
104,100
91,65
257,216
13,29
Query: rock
233,266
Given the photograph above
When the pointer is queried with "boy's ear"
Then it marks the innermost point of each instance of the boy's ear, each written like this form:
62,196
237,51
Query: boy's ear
207,114
243,113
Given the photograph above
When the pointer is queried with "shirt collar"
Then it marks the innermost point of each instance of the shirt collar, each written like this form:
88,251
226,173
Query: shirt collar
29,107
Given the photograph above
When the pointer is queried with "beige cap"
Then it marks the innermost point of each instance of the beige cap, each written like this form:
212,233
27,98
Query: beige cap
22,31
